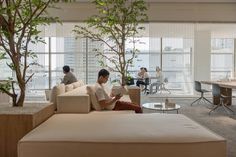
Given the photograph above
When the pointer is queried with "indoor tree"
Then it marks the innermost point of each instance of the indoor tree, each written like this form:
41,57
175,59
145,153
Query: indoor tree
116,24
19,22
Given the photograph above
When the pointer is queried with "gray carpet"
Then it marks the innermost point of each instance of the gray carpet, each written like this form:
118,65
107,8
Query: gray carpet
219,121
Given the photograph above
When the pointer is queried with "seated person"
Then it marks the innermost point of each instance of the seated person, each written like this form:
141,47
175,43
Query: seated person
111,102
159,77
142,77
69,77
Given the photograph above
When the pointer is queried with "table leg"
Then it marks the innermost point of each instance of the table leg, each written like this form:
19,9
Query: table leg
226,92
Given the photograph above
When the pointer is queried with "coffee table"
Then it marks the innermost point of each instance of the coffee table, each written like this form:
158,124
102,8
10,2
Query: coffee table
160,107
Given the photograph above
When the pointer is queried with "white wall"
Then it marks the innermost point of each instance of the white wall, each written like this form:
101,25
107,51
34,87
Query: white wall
158,12
202,56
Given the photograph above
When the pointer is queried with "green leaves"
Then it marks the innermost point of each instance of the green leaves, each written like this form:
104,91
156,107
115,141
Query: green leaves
5,86
19,21
3,56
117,22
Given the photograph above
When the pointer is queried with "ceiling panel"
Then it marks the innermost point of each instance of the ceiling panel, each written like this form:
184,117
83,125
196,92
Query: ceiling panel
180,1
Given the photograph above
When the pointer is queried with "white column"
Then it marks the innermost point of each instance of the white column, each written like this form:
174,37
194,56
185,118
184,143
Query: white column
202,55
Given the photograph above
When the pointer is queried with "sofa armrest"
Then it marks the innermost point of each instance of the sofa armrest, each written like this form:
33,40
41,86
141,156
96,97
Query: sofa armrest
134,94
79,103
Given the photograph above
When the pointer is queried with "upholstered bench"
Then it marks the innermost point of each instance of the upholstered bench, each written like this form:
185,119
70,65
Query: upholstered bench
80,98
121,134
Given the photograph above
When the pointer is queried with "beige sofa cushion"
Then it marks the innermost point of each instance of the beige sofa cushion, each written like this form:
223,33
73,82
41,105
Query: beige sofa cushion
75,101
79,103
56,90
119,90
93,98
77,84
69,87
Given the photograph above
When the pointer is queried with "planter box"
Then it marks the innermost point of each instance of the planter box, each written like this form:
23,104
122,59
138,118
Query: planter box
134,93
15,122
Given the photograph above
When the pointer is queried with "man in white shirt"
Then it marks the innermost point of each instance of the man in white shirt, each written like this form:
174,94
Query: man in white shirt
69,77
159,81
111,102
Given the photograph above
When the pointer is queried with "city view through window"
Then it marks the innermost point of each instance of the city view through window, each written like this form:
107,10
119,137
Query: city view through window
169,46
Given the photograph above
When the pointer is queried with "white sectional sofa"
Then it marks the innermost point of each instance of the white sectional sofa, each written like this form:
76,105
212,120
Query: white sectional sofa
116,133
80,98
105,134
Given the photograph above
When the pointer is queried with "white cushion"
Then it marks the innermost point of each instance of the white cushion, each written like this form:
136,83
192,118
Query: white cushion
69,87
73,103
119,90
93,98
56,90
77,84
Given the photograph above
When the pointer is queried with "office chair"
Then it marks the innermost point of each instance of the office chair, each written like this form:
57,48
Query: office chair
163,87
147,82
157,86
216,93
198,88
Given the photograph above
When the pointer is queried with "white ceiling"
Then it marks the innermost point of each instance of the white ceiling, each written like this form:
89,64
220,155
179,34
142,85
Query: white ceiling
192,1
180,1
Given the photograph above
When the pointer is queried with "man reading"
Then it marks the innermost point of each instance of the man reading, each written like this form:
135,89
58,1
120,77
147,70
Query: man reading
111,102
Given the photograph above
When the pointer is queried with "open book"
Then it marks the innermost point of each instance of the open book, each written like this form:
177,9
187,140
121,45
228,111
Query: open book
118,90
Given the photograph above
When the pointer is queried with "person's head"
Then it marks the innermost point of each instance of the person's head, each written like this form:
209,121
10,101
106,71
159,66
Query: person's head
142,69
145,69
158,69
103,76
66,69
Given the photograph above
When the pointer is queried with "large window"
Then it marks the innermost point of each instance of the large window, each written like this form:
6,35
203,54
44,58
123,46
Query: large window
170,46
222,58
176,63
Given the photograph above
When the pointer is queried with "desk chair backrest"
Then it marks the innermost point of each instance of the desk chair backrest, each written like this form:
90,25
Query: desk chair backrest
147,81
197,86
165,80
215,90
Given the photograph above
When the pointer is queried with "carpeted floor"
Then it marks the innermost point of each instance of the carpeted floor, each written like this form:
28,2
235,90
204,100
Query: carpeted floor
219,121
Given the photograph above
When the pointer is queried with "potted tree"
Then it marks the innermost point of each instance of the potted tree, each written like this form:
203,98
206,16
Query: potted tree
116,23
19,22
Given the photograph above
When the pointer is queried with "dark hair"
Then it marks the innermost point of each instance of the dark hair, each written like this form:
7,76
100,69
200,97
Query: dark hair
66,68
145,69
103,73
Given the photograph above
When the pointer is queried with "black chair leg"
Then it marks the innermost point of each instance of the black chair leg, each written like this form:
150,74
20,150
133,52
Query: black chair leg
229,109
214,108
207,100
196,101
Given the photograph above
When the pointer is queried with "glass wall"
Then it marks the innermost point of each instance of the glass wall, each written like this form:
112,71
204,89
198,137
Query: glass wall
222,58
176,63
167,45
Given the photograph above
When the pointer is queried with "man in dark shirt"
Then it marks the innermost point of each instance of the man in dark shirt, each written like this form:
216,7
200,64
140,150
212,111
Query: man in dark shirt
69,76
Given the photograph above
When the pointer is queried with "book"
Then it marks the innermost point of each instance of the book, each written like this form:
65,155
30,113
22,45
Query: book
118,90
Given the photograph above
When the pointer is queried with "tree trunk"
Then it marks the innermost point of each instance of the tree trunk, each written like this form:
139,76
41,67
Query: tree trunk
123,82
19,101
14,100
21,98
